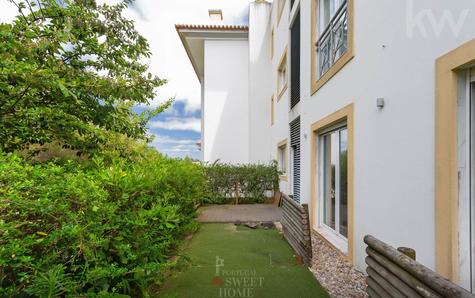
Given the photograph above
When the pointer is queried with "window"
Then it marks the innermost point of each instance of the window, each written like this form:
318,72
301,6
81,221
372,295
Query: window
272,44
334,181
272,110
332,38
282,76
282,159
295,157
280,9
295,62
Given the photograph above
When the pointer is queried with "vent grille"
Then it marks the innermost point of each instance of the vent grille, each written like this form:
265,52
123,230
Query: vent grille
295,62
295,145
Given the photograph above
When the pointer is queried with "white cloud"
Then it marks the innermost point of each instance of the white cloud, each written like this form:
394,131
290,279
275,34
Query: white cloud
176,147
168,140
8,11
174,123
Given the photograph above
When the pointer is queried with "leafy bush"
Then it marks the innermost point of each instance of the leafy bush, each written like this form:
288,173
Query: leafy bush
247,183
108,225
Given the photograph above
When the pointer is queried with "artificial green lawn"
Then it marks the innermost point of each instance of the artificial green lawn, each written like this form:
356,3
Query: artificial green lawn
257,263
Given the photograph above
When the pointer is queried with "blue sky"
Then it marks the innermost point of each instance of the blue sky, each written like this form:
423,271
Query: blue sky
177,130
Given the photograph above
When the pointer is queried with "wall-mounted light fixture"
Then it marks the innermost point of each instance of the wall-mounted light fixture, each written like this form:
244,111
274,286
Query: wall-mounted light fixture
380,103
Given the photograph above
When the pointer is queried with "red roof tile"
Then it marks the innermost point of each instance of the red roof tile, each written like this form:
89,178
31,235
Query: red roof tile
213,27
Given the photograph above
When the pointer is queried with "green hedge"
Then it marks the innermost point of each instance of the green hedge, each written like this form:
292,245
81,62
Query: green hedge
249,182
92,229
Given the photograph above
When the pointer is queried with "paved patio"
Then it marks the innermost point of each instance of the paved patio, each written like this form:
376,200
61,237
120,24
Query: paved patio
242,213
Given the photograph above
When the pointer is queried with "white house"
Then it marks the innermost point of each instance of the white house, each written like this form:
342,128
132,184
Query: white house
366,105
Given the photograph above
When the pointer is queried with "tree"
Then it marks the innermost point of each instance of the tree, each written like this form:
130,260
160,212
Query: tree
71,71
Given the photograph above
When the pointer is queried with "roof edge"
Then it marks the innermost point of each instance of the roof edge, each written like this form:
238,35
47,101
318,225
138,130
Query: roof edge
212,27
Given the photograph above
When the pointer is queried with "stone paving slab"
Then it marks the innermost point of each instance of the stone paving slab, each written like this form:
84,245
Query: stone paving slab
242,213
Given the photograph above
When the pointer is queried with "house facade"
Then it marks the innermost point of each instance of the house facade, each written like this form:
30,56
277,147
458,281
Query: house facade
366,106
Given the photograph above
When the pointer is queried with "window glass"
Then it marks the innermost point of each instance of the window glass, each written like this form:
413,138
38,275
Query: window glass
344,182
282,159
332,39
335,181
283,74
329,179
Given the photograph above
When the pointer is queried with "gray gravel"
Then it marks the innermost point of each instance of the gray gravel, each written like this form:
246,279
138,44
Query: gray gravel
334,272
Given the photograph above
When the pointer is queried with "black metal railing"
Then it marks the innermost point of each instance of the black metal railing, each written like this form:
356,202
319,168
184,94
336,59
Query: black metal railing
333,41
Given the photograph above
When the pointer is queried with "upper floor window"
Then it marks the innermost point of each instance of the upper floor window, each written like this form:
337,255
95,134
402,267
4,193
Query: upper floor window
272,115
272,43
280,9
282,76
332,38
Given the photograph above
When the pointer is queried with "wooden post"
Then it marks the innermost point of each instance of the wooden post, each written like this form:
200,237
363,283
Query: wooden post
236,193
411,272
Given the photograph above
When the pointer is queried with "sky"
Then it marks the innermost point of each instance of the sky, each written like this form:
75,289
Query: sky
177,130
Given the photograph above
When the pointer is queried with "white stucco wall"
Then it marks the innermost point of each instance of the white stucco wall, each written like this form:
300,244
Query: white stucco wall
225,104
260,87
394,147
280,130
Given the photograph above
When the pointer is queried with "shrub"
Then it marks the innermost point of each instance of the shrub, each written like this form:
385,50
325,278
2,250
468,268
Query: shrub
248,183
93,229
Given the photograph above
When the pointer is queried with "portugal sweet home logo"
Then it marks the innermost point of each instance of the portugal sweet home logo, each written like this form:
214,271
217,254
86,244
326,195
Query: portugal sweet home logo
236,283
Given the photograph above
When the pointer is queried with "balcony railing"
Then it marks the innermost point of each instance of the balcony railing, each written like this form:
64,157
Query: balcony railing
333,42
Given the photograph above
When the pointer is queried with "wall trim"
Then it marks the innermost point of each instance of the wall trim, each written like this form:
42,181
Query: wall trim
346,113
446,176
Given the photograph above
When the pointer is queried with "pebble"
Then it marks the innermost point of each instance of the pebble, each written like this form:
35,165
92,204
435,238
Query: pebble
334,272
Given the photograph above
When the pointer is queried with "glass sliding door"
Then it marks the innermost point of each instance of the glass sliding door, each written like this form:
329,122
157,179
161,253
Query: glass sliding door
466,178
334,182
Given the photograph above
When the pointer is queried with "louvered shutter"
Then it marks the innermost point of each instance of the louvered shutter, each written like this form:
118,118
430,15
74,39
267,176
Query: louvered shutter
295,145
295,62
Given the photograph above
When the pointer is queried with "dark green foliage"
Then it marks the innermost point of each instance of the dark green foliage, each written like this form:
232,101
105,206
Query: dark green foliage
86,210
108,225
71,71
249,182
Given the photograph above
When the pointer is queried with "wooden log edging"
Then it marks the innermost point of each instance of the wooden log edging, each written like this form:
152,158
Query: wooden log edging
296,228
395,267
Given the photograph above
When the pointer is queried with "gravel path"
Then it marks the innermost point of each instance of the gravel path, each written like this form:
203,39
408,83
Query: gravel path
334,273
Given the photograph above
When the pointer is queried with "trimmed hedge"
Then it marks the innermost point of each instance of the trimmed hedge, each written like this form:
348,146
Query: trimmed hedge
94,229
246,182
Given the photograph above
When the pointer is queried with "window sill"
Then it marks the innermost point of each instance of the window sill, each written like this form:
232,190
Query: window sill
283,178
334,239
281,93
332,71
